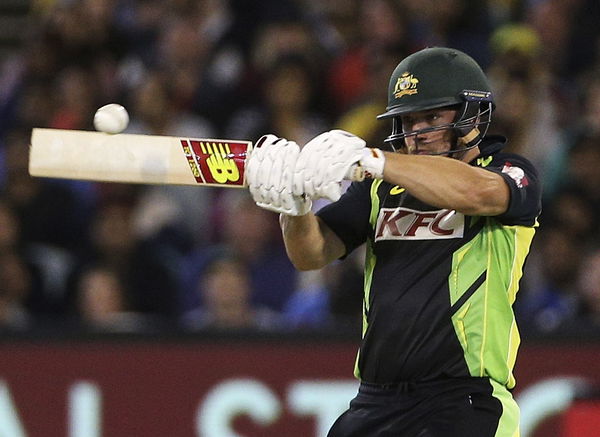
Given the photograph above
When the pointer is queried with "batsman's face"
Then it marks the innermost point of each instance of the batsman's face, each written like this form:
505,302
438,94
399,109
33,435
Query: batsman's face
429,142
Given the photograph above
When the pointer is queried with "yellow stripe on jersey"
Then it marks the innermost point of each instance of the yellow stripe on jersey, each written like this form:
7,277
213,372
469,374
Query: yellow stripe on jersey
370,261
499,252
508,425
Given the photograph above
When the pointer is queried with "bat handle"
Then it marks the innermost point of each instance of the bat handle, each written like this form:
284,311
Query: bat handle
355,173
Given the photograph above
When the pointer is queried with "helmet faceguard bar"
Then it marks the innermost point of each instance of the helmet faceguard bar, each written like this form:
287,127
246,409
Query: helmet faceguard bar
476,110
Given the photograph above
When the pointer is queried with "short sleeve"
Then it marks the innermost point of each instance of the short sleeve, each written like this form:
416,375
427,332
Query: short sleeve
348,218
525,189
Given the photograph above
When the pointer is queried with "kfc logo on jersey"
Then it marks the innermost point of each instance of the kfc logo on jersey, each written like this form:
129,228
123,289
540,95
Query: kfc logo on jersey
516,174
409,224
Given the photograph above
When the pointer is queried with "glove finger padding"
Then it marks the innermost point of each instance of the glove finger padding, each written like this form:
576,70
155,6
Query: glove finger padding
305,181
269,150
273,174
289,163
323,163
277,187
253,168
269,176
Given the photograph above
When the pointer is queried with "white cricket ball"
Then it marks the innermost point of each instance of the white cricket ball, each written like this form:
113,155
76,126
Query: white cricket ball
111,118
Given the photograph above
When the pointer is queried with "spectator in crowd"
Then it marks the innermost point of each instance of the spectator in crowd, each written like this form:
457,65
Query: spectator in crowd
102,302
368,59
225,292
589,289
144,266
49,226
552,296
361,118
378,33
288,101
10,228
251,233
34,296
461,24
551,21
76,100
328,298
16,282
48,212
527,105
581,181
549,296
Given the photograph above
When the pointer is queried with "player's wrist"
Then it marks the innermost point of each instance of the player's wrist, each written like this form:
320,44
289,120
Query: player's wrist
373,162
298,206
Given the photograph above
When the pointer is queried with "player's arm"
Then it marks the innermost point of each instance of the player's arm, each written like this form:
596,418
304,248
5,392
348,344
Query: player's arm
270,172
435,180
448,183
309,242
282,179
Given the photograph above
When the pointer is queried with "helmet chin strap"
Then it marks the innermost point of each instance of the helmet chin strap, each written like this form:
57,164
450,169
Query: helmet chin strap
467,142
473,136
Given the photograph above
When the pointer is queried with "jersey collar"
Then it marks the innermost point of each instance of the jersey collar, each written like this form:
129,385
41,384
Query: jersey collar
490,145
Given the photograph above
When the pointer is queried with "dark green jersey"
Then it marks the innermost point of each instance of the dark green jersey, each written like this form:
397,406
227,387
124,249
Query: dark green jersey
439,285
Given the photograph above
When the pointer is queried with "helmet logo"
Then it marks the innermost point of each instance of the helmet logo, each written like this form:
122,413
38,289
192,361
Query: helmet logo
406,85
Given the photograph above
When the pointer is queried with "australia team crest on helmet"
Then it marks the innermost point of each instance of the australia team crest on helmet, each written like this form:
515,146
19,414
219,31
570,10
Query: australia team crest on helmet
406,85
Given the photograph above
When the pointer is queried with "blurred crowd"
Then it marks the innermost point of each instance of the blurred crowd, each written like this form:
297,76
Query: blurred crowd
118,257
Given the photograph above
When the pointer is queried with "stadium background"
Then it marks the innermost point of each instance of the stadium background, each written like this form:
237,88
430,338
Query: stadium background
113,322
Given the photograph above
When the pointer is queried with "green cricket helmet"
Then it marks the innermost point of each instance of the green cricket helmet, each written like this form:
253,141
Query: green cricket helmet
439,77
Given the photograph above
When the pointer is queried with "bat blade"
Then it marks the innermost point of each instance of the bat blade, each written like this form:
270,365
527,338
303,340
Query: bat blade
143,159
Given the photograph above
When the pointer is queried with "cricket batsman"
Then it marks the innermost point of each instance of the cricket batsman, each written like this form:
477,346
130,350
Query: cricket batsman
448,219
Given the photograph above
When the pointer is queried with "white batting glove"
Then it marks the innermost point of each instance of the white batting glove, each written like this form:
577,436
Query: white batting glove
269,175
372,162
326,160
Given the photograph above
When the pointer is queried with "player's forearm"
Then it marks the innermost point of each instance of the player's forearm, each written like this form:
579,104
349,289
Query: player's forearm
309,243
448,183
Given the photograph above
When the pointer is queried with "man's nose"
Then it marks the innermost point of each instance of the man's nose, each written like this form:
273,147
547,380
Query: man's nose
420,125
422,129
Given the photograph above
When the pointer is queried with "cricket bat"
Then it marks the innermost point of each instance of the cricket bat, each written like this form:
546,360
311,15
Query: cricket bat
142,159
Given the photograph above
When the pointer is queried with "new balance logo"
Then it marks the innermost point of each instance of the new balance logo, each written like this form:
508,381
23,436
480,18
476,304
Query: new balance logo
409,224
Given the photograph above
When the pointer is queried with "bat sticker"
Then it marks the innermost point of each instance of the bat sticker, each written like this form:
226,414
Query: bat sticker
216,162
